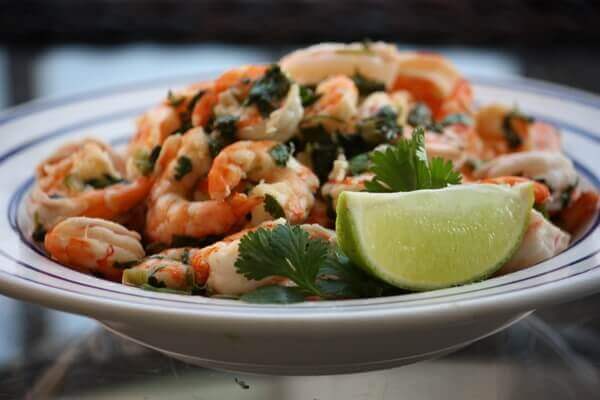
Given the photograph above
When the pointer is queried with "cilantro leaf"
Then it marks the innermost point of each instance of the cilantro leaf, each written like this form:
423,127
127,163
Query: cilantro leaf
281,154
183,167
273,207
359,164
267,91
224,127
283,251
442,173
365,85
381,127
173,99
404,167
104,181
308,96
420,115
509,129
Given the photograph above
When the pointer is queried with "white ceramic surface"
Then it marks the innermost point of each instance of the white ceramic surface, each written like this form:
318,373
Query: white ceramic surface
307,338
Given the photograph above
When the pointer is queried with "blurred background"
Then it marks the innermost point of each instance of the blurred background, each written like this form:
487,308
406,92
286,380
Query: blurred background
62,47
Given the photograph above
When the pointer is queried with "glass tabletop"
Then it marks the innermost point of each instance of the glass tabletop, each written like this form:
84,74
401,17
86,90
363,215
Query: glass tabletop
554,353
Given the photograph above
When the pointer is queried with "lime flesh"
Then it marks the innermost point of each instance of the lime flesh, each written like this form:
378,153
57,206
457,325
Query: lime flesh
430,239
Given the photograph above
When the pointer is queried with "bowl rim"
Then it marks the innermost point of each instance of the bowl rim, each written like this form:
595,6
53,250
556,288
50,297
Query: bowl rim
334,311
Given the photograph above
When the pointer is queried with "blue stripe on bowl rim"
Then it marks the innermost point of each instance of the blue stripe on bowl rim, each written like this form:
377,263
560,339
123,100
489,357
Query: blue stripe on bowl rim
18,195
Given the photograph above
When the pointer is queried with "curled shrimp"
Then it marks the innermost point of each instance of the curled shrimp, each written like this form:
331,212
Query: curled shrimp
336,109
94,246
432,79
171,269
83,179
551,168
183,165
333,189
376,61
541,192
542,240
154,126
503,131
229,96
580,210
292,185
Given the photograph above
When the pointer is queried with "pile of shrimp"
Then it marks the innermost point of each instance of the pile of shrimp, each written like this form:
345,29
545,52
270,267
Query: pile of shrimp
263,145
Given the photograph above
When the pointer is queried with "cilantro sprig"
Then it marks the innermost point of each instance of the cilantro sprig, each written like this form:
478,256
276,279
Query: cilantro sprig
404,167
317,267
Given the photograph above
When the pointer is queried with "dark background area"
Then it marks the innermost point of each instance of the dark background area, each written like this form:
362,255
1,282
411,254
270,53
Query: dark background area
60,47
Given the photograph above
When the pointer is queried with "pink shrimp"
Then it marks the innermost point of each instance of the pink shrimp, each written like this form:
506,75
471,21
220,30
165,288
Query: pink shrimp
94,246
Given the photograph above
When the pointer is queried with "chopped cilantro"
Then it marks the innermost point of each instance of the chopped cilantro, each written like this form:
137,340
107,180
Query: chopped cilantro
359,164
365,85
39,232
281,154
126,264
457,119
308,95
104,181
226,125
173,99
381,128
273,207
194,100
144,162
404,167
508,127
420,115
183,167
267,91
186,125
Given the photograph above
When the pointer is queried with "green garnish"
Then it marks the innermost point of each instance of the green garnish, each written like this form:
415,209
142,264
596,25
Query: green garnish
269,90
72,183
316,267
380,128
283,251
457,119
273,207
365,85
510,134
420,115
308,95
224,128
39,232
183,167
281,154
126,264
174,100
404,167
194,100
145,161
359,164
104,181
186,125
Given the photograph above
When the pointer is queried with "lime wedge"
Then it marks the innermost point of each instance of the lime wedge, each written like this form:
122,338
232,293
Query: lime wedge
431,239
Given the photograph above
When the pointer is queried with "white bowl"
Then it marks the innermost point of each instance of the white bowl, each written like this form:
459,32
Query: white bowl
308,338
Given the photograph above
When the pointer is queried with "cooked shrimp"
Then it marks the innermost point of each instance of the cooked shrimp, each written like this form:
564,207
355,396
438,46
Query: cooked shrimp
292,185
229,96
553,169
94,245
171,269
333,189
540,191
83,179
503,131
542,241
336,109
377,61
579,211
432,79
184,162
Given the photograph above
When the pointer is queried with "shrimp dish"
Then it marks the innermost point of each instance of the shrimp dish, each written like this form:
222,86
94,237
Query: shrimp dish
231,187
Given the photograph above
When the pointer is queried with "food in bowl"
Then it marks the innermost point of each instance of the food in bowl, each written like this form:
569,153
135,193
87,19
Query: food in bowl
233,187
